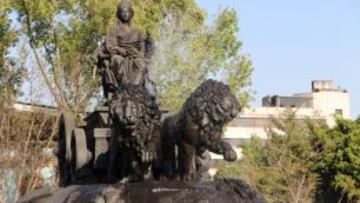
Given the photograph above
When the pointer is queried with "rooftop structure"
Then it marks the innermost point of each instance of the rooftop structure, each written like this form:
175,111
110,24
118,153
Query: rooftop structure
326,100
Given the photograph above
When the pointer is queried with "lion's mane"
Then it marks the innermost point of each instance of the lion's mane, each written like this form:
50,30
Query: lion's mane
211,106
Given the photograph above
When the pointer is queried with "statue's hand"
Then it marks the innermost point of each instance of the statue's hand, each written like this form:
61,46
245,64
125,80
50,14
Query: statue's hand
230,155
121,51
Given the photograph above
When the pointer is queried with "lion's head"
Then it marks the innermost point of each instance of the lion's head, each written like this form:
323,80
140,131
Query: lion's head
135,112
210,107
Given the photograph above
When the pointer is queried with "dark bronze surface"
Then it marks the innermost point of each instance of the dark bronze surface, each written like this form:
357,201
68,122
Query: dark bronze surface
223,191
125,55
197,128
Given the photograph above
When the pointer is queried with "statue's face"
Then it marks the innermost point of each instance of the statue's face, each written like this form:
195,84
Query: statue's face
125,14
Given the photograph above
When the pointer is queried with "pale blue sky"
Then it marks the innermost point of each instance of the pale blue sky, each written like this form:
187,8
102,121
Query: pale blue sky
294,42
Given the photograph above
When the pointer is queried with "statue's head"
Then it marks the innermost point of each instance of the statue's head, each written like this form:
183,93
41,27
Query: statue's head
125,11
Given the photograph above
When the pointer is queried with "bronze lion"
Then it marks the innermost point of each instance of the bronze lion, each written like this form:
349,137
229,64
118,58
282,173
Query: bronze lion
198,127
135,133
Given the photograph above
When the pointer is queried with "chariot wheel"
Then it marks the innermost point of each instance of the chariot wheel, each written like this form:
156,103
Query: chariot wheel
81,156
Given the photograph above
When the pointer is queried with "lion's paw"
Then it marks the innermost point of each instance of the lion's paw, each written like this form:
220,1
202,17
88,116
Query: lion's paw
230,155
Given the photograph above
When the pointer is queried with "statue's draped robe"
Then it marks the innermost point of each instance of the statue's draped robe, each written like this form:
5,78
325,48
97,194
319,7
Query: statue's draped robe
125,47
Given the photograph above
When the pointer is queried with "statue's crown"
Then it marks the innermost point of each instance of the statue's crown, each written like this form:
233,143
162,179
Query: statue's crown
125,4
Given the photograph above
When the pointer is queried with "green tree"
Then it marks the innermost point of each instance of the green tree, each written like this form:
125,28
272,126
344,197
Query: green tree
10,72
280,168
63,35
303,161
339,163
187,55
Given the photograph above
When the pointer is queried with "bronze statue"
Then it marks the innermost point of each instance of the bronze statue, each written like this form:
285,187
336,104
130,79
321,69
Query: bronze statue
125,55
125,45
129,139
135,134
125,138
124,58
198,127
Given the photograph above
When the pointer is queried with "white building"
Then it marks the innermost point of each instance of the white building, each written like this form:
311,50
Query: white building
323,103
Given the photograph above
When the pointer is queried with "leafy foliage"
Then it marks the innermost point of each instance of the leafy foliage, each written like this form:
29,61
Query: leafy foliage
65,33
339,163
303,161
185,57
281,168
10,73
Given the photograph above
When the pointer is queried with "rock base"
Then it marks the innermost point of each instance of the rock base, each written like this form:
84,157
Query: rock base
227,190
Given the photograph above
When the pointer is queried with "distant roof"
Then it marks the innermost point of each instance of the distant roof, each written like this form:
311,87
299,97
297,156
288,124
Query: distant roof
32,107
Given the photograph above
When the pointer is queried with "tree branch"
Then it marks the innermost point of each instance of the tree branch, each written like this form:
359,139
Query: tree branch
61,102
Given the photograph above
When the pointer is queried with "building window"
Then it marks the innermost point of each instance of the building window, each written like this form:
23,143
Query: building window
339,112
